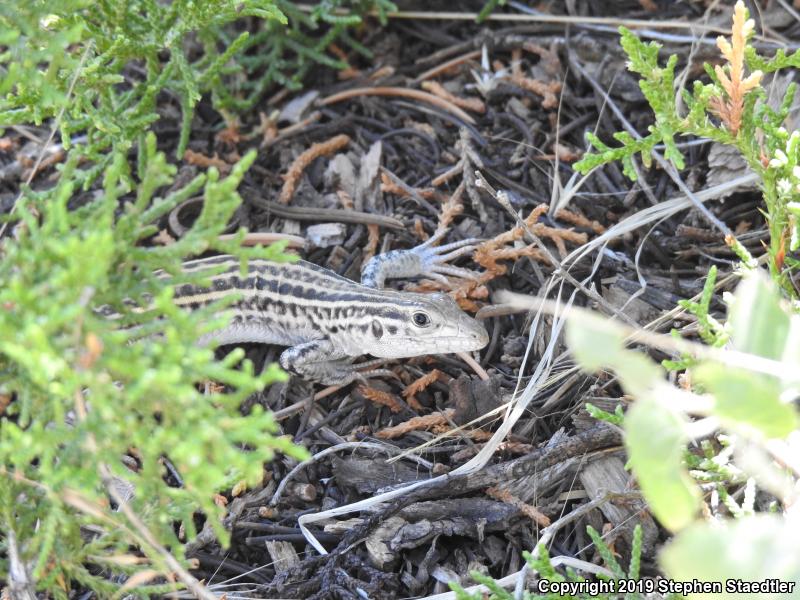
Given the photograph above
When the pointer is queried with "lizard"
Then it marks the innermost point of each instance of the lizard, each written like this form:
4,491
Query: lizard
327,320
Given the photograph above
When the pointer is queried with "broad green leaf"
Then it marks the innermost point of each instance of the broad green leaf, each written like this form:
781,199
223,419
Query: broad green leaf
655,439
598,343
759,323
791,352
758,548
747,401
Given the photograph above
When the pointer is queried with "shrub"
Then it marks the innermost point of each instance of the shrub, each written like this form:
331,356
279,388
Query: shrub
91,412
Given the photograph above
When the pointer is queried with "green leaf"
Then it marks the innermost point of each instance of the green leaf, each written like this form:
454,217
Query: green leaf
759,323
598,343
595,342
656,440
601,415
758,548
747,401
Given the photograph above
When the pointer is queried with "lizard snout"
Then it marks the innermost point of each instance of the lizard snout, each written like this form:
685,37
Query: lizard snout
474,331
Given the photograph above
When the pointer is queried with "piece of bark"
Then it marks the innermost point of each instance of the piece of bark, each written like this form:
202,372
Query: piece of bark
474,398
419,523
608,474
368,475
635,308
368,185
341,175
532,488
283,555
325,235
294,111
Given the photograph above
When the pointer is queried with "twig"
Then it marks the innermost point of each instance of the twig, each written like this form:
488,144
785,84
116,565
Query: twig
436,88
256,238
479,370
560,271
538,18
400,93
447,65
338,215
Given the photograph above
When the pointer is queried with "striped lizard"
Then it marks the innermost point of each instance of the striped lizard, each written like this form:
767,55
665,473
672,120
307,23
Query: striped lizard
327,320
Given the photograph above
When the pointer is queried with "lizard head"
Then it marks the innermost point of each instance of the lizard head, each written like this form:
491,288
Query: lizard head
425,324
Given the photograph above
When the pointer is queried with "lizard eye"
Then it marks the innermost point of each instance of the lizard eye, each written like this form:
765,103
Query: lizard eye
421,319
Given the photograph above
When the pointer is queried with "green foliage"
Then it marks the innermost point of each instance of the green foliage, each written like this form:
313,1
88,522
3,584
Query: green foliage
655,438
488,9
80,393
751,402
84,395
110,55
615,418
539,563
283,55
755,548
710,330
733,114
654,430
657,85
102,65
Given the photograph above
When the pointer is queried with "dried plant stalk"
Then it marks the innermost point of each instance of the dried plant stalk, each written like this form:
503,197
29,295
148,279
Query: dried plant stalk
547,91
300,164
382,398
390,187
452,207
416,423
735,84
201,160
373,237
415,387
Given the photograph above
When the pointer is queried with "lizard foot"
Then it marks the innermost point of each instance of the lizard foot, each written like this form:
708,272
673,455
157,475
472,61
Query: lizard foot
424,260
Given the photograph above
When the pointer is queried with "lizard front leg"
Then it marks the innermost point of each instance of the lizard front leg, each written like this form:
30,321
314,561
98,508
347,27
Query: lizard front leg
322,361
425,259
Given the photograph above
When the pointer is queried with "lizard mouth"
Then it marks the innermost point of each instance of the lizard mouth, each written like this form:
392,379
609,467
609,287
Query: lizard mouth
446,344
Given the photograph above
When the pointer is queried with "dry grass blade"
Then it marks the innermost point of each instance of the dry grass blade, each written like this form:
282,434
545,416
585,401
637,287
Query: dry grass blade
655,213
